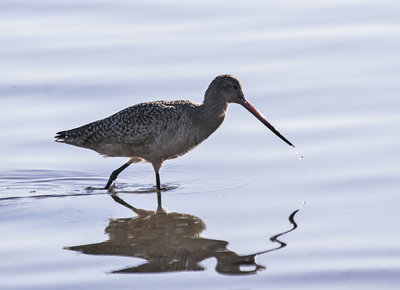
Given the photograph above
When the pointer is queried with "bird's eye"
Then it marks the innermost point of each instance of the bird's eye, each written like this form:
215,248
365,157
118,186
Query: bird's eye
235,87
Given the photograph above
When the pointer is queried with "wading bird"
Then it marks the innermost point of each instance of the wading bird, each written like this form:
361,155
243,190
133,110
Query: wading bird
162,130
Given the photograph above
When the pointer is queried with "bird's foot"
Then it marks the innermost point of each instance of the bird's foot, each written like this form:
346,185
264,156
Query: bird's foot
111,188
91,188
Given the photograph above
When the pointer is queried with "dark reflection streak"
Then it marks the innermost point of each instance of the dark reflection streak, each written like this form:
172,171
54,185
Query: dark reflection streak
275,237
40,196
171,242
291,220
159,199
88,193
123,202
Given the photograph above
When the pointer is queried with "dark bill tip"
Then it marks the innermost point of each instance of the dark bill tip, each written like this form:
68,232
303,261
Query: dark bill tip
260,117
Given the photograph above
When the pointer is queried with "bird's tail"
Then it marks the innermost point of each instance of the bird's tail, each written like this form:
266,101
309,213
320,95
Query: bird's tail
81,136
73,137
61,136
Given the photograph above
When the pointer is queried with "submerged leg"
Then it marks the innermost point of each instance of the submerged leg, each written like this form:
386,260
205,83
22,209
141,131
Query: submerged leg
115,173
158,181
160,210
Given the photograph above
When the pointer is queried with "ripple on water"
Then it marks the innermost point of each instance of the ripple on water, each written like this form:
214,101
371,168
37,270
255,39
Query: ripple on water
184,187
23,184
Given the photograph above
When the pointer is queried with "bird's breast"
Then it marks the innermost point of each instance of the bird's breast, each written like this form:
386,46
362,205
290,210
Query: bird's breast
176,141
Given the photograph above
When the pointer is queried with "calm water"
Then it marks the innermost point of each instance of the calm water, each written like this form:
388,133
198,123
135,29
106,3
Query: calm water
241,211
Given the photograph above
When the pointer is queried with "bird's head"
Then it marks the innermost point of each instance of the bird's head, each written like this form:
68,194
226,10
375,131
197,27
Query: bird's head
228,87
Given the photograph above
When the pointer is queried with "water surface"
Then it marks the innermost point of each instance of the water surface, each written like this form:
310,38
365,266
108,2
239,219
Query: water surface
324,73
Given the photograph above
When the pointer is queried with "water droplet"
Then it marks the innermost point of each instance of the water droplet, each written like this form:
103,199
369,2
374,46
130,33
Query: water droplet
299,156
303,204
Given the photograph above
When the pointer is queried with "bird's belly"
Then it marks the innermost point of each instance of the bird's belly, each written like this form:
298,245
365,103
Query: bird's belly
168,148
166,144
117,150
160,148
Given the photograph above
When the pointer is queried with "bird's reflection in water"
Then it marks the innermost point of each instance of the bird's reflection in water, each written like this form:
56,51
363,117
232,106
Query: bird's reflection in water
170,242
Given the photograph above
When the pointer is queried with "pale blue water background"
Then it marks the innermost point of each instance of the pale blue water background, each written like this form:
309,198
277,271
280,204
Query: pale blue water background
325,73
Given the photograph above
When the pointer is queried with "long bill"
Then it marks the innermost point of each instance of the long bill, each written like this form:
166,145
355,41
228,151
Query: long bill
260,117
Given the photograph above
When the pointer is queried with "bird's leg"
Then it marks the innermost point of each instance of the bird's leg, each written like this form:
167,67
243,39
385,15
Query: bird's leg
158,181
159,199
157,166
115,173
160,210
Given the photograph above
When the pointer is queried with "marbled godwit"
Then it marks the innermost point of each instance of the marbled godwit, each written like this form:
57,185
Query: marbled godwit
157,131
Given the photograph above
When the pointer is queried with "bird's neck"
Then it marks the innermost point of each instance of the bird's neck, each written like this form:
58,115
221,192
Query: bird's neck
215,106
213,112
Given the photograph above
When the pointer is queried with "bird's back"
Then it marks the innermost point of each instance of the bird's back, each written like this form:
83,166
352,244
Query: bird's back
138,130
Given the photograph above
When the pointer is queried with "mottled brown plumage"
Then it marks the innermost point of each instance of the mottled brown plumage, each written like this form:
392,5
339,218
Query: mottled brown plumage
157,131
